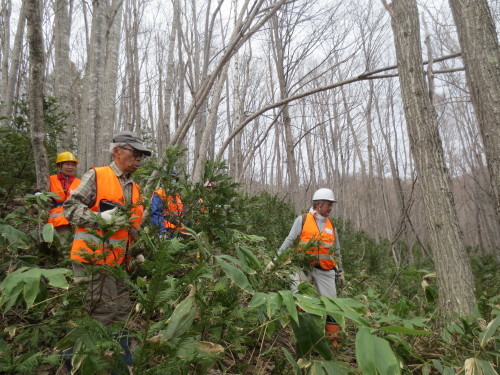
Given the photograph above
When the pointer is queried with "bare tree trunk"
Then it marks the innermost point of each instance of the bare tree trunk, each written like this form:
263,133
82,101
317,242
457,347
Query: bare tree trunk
130,98
279,46
160,105
309,148
209,128
62,30
12,72
100,86
37,64
112,32
179,114
137,71
199,73
236,160
5,13
454,276
94,76
481,56
164,131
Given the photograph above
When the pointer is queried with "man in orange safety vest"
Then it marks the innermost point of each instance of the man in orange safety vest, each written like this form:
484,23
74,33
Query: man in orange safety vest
108,198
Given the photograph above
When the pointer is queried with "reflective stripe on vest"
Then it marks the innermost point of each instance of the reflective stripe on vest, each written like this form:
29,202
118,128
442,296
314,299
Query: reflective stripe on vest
89,248
56,216
323,254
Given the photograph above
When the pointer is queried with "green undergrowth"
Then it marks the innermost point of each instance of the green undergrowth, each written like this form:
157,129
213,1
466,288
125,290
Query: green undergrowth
17,175
205,303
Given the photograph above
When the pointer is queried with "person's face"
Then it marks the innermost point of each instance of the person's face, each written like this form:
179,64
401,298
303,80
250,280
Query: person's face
68,168
324,208
127,158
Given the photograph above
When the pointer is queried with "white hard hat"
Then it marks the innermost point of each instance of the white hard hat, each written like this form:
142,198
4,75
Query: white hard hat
324,194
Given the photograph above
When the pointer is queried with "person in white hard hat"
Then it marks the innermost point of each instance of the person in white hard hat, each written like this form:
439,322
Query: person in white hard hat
325,271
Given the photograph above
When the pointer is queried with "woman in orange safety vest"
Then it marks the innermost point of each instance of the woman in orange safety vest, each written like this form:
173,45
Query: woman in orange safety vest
62,184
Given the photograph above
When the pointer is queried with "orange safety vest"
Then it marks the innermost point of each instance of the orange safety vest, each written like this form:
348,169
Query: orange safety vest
114,251
56,216
323,254
172,206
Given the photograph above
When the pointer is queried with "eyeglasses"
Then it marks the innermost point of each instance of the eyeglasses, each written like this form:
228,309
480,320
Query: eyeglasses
135,153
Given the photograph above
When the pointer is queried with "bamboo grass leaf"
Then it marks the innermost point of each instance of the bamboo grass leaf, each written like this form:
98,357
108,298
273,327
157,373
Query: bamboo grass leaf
181,319
289,304
490,330
235,274
48,232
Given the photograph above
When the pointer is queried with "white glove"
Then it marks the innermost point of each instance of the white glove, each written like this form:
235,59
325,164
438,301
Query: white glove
269,265
111,218
107,216
140,258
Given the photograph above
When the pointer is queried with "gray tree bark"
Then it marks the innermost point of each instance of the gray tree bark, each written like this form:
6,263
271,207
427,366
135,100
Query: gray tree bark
481,56
454,276
100,85
37,65
279,46
62,76
5,13
164,131
11,72
209,128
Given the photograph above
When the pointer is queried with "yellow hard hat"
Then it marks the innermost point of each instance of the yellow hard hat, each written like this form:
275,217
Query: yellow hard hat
66,156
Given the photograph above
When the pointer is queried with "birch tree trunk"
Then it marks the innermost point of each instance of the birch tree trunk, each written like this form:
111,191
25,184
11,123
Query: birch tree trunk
100,85
209,128
62,30
37,65
5,13
198,75
8,85
279,47
454,276
137,71
481,56
112,33
164,131
236,158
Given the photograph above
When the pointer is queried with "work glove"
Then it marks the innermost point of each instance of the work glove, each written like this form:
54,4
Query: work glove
107,216
269,265
140,258
339,277
111,218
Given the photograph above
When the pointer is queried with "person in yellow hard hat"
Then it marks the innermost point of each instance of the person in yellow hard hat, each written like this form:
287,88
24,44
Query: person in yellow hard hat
62,184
